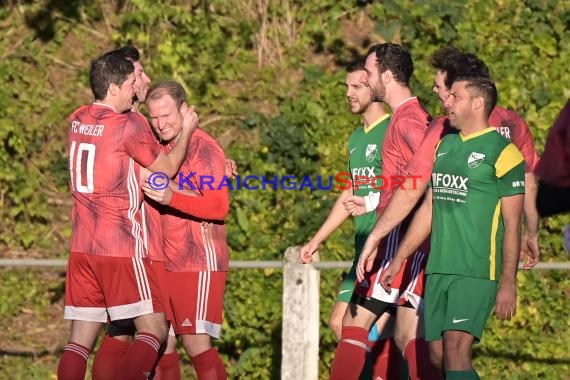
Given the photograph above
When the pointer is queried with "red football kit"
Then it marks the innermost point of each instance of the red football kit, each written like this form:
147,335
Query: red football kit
195,244
405,133
108,270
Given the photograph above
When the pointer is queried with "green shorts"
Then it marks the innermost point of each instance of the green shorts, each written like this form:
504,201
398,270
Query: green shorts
347,286
460,303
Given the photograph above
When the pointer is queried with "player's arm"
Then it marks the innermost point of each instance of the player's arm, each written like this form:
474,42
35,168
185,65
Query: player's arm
405,198
213,204
417,233
511,209
170,163
509,169
335,218
529,242
356,205
401,204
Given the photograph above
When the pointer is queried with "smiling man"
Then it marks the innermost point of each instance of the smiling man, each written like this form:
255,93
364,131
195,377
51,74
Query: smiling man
194,233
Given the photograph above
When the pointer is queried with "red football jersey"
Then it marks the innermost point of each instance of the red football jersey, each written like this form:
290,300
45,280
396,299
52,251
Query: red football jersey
106,150
153,223
405,133
194,237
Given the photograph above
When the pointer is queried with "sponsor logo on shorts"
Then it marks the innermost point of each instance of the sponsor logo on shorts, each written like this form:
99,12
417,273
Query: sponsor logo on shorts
344,291
459,320
186,323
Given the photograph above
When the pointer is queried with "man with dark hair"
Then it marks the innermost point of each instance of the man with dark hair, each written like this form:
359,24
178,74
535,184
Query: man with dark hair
473,210
107,147
388,70
364,163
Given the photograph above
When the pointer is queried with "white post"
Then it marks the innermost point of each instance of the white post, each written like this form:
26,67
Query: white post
300,339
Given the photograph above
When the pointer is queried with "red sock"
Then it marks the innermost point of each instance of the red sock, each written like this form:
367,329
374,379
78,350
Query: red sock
73,362
140,358
108,358
209,365
386,359
350,354
168,367
416,354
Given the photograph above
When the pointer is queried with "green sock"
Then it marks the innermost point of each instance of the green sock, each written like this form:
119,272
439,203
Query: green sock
462,375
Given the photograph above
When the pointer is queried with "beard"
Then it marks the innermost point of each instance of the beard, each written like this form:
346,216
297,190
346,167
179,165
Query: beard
378,92
453,122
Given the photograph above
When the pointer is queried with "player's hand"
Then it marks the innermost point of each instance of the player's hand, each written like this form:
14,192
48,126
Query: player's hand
506,301
190,119
231,168
529,250
389,274
355,205
307,251
161,196
367,257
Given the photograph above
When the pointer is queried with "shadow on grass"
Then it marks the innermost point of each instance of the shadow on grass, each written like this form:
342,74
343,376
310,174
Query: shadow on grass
518,356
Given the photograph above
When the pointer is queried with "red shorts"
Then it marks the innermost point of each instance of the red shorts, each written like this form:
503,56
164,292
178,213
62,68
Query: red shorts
99,288
408,286
197,301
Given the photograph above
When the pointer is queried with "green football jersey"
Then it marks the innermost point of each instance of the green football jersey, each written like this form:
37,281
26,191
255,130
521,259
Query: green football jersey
470,175
365,160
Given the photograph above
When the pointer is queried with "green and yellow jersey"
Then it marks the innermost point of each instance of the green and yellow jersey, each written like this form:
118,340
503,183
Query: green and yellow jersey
470,176
365,160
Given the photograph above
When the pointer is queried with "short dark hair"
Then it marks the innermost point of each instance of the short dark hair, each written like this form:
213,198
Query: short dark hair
108,69
482,87
356,65
466,66
174,89
441,59
458,64
393,57
127,52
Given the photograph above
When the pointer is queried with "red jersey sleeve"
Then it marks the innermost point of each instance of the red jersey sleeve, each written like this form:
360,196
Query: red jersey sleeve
554,165
139,141
509,124
422,162
208,162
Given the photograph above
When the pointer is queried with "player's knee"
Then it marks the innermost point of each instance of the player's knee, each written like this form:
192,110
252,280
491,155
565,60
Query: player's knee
402,338
154,324
336,325
436,358
195,344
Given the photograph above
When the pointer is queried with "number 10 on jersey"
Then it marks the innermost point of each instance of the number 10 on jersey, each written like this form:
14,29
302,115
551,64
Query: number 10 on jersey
80,167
